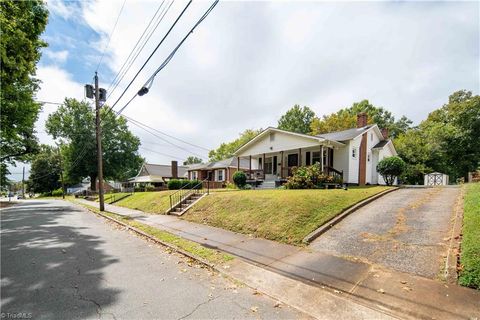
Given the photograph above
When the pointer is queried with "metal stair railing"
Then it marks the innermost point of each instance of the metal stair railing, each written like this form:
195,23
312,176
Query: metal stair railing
183,194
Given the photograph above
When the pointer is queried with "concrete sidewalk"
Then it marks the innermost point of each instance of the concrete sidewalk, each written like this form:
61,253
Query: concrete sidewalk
396,293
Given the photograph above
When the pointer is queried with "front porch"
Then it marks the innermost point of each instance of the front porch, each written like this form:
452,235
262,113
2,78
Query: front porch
278,166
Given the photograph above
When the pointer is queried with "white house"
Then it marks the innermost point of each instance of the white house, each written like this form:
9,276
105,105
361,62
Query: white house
353,153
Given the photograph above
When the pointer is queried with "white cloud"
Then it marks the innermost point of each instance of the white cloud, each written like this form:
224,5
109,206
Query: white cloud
58,57
59,8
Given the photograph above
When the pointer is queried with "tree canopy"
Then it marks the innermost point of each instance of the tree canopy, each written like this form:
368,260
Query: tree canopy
22,23
297,119
346,118
448,141
226,149
192,160
74,124
45,170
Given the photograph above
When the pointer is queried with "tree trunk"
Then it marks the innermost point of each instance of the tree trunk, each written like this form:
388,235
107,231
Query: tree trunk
93,183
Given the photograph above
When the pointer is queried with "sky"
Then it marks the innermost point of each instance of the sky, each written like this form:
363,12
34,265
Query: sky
247,63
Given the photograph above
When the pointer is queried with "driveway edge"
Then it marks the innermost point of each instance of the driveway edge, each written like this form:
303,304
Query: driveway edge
454,248
329,224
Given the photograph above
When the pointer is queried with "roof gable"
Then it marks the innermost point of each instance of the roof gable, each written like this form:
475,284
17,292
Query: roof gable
274,139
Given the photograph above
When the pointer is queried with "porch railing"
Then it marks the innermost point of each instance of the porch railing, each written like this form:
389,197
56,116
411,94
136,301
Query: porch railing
183,194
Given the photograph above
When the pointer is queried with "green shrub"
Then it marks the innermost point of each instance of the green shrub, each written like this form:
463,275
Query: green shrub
174,184
309,177
57,193
240,179
390,168
149,188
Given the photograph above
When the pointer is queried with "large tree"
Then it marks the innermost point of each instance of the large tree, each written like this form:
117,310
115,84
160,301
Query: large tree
297,119
226,149
21,24
45,170
448,141
347,118
74,124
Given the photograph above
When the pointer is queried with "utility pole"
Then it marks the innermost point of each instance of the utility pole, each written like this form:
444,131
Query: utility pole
99,145
61,173
23,183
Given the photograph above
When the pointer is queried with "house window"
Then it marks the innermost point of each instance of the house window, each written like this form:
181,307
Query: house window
272,136
194,175
220,175
354,153
315,157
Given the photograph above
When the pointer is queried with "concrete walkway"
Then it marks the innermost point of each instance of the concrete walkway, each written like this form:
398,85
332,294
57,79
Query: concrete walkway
402,294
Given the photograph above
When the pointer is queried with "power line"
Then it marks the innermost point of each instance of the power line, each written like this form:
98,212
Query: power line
163,154
111,33
149,82
122,72
166,134
153,52
134,122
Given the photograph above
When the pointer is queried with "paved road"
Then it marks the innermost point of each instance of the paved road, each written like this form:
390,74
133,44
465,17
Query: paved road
406,230
60,262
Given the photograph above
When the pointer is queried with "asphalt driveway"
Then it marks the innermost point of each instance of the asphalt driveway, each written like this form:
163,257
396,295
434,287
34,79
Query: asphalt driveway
406,230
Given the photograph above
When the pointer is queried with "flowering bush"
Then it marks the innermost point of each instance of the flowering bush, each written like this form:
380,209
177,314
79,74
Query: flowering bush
309,177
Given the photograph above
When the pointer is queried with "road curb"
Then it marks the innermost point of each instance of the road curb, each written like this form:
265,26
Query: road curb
154,239
329,224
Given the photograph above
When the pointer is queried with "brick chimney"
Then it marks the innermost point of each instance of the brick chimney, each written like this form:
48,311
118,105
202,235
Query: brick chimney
362,120
384,133
174,169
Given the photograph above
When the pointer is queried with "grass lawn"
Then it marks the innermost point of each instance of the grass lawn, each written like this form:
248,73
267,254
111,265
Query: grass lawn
151,202
281,215
470,256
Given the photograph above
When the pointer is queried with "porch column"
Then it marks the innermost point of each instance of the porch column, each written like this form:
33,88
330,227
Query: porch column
299,157
321,156
263,166
281,166
328,151
250,167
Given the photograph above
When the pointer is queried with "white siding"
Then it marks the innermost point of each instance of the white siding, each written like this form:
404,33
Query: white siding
371,165
340,160
353,162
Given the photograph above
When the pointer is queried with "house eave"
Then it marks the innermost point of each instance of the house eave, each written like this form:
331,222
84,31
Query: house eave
272,129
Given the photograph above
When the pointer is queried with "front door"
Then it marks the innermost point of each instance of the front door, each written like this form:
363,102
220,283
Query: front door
292,161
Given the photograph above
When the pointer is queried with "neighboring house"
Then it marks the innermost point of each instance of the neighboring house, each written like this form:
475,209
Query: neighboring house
218,171
158,175
353,153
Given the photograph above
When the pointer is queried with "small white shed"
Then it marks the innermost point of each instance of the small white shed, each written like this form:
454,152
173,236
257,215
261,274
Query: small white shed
436,179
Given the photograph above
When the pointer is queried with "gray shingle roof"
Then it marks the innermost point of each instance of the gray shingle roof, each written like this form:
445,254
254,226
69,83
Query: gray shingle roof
226,163
163,170
381,144
345,134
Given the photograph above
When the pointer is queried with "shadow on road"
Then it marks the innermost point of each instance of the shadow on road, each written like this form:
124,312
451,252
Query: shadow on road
49,267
